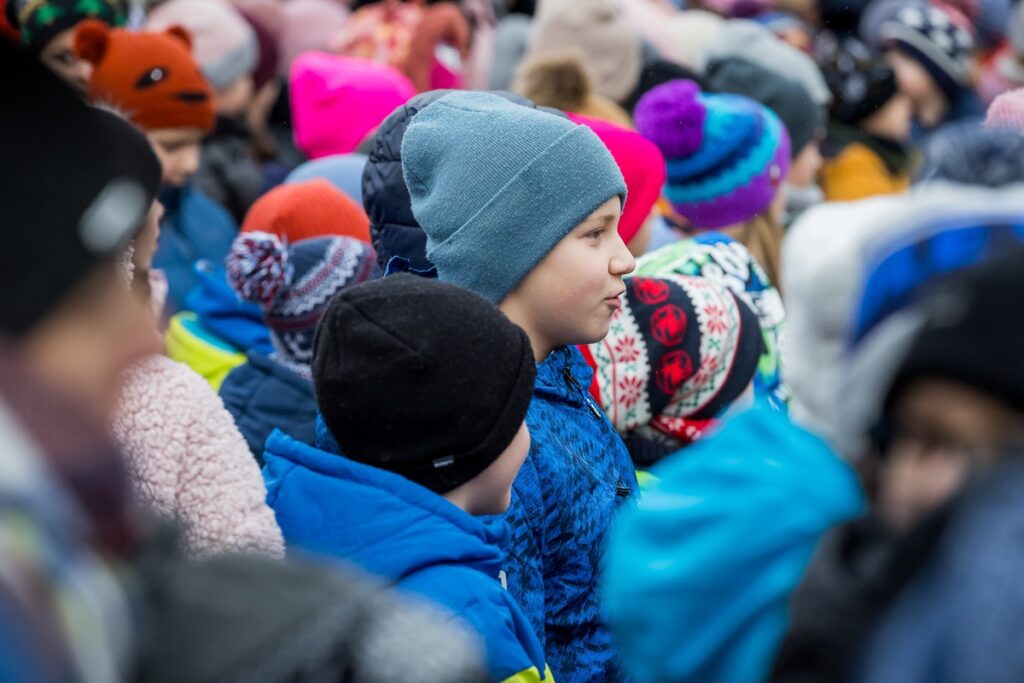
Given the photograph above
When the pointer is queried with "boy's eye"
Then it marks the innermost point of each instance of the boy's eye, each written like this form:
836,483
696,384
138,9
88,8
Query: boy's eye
594,234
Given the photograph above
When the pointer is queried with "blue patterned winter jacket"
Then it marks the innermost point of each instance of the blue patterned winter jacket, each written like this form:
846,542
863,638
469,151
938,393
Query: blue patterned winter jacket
577,475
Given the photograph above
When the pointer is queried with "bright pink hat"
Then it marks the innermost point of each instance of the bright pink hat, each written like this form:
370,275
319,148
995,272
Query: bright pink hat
338,101
1007,110
642,165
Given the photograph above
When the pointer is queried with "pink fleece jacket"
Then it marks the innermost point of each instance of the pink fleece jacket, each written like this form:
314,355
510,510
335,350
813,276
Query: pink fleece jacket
188,460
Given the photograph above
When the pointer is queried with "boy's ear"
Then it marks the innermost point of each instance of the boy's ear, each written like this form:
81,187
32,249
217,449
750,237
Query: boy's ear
181,33
91,40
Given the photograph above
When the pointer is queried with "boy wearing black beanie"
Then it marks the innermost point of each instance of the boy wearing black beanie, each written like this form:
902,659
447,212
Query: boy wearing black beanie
423,389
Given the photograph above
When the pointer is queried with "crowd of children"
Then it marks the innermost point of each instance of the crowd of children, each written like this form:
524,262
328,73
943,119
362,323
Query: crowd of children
501,340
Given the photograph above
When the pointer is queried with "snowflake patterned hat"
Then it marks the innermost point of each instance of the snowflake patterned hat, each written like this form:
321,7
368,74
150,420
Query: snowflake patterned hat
680,350
931,36
295,283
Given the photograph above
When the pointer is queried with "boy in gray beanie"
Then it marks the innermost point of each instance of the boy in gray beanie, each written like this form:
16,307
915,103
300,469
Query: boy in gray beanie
522,207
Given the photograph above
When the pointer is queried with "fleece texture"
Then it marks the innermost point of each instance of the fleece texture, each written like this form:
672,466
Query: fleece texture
188,460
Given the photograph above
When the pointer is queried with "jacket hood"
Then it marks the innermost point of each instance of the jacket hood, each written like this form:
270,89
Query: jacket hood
390,526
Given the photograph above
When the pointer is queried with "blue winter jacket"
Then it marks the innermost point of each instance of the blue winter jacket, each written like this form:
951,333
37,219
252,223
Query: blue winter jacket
263,395
222,312
194,227
577,475
332,506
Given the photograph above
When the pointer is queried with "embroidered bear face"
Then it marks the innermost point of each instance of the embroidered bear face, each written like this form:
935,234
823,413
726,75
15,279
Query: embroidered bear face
151,77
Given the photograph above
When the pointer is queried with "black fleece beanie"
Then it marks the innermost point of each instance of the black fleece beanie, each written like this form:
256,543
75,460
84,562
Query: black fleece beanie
422,378
972,332
75,184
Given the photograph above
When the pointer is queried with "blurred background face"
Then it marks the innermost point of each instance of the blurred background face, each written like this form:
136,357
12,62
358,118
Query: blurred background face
912,79
940,431
178,150
88,342
146,242
60,57
806,166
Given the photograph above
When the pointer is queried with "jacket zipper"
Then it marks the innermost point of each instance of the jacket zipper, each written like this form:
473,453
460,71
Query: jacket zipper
586,397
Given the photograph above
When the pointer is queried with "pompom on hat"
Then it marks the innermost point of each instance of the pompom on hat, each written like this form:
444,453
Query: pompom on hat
293,284
727,156
150,77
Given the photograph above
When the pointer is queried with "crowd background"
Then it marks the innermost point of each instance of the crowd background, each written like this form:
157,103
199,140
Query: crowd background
468,340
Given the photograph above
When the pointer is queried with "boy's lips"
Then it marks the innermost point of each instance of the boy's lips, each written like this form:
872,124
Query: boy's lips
615,301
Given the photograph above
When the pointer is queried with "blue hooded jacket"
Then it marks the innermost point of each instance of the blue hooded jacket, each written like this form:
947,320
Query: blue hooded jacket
194,227
576,477
332,506
263,395
700,574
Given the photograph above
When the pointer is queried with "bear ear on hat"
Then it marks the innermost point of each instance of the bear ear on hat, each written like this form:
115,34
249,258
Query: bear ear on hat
182,34
91,40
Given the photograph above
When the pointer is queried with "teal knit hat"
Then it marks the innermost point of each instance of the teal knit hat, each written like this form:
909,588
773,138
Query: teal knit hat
495,186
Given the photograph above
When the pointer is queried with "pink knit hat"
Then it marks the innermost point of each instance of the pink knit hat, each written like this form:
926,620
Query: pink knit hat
642,165
308,25
338,101
1007,111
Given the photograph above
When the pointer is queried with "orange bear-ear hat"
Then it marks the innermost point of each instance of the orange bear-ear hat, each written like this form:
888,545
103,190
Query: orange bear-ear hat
151,77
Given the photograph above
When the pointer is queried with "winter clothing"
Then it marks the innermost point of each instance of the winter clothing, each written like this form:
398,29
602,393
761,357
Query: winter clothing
969,155
804,119
727,263
188,460
152,77
821,265
727,155
225,44
38,23
655,73
512,36
695,30
642,166
465,211
229,172
308,25
264,621
194,227
753,42
561,82
1007,111
929,35
264,18
107,177
410,351
64,499
611,49
407,535
989,19
945,229
680,351
965,326
410,37
304,210
394,229
338,101
189,342
263,395
860,80
958,620
578,474
344,171
697,555
859,165
294,284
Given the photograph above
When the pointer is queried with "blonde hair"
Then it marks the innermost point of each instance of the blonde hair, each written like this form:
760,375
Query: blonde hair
561,82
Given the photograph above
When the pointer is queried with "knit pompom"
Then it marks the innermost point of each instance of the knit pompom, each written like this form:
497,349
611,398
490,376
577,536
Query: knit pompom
672,117
258,267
